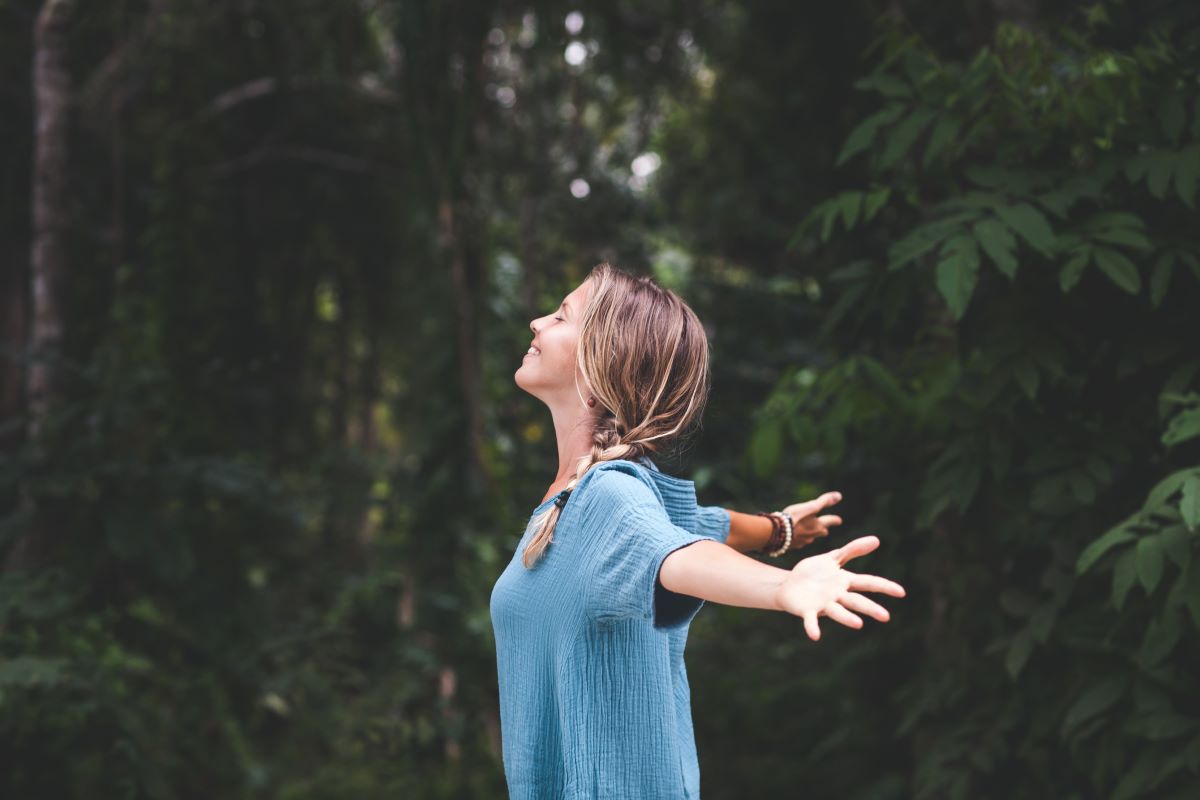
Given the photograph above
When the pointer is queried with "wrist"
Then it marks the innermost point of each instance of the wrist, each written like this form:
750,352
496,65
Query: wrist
780,540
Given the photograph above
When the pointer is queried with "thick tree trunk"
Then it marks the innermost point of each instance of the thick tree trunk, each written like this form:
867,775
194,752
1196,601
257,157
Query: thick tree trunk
52,91
47,262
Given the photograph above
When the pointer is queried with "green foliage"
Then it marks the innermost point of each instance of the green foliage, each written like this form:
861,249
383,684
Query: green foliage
1038,383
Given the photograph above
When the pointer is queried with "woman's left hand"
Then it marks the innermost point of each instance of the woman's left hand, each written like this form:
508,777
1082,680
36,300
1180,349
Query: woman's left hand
808,523
821,586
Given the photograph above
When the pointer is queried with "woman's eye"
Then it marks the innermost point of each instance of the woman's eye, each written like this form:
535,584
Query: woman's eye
560,319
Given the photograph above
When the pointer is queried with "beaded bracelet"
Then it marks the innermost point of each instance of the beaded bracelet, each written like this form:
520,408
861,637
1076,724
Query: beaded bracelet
787,537
781,533
776,537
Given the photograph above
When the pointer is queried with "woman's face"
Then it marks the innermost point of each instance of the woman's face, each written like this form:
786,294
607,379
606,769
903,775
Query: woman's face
547,371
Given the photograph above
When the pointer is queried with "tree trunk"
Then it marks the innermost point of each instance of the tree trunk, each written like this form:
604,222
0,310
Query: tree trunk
51,91
47,262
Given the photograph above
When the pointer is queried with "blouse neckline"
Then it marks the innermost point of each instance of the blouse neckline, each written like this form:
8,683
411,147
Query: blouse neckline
674,483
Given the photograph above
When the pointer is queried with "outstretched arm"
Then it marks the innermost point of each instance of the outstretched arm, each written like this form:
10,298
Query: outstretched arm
815,586
750,532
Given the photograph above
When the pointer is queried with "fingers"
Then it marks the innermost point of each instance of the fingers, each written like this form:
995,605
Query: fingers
828,499
838,614
810,625
810,507
874,583
864,605
829,519
855,548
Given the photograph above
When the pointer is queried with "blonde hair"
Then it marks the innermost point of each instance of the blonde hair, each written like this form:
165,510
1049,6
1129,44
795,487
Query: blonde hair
644,354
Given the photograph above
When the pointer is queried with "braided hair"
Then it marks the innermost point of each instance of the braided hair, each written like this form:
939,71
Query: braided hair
644,354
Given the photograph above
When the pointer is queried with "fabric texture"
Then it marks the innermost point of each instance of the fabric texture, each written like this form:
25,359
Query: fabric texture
594,697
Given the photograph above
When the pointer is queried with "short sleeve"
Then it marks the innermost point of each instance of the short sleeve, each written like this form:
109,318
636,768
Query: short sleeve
713,522
626,559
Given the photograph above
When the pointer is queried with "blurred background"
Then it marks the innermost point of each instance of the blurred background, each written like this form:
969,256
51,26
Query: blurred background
267,269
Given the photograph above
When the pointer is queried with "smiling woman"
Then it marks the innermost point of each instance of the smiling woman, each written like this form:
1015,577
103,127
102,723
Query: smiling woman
590,615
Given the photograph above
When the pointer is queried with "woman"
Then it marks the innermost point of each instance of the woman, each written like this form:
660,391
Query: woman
591,614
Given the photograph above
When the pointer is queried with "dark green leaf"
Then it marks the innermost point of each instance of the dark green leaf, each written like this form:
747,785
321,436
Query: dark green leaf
1164,489
887,85
1115,219
998,242
903,136
958,272
1160,278
1071,271
923,239
1183,426
1042,622
1158,172
1125,236
1161,637
864,133
1018,653
1030,224
850,204
1162,725
876,199
1095,700
1177,544
944,132
1124,576
1189,502
1114,536
1149,562
1119,269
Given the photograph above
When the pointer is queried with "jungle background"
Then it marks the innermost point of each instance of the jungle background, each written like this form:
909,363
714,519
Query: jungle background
267,269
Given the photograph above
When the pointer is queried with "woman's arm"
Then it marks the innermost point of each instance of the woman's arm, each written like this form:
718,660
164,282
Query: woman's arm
714,571
747,532
751,532
813,587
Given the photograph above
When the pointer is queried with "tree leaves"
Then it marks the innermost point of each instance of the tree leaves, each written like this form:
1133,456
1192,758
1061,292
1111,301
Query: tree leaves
945,131
1189,502
863,134
958,272
998,242
1149,562
1116,535
903,137
1030,171
1093,701
1030,224
1118,268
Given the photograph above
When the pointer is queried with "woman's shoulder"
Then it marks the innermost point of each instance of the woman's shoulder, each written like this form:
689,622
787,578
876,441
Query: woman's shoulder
618,483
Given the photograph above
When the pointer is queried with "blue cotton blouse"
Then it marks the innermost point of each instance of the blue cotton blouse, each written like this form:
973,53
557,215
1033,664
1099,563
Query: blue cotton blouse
594,696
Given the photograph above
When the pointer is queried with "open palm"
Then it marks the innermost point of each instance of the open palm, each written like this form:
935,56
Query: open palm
818,585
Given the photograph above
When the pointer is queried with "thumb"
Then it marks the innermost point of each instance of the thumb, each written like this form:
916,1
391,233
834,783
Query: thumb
858,547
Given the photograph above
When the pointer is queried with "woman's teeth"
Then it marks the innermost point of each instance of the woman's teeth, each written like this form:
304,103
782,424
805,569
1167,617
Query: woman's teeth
533,350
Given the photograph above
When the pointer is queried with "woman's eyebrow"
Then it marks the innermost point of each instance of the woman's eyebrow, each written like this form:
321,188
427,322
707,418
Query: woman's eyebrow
566,305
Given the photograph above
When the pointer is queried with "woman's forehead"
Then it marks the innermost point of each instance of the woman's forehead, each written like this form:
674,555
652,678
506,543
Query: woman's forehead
577,298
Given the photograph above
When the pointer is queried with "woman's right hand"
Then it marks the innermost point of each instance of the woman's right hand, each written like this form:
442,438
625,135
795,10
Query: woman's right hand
819,585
